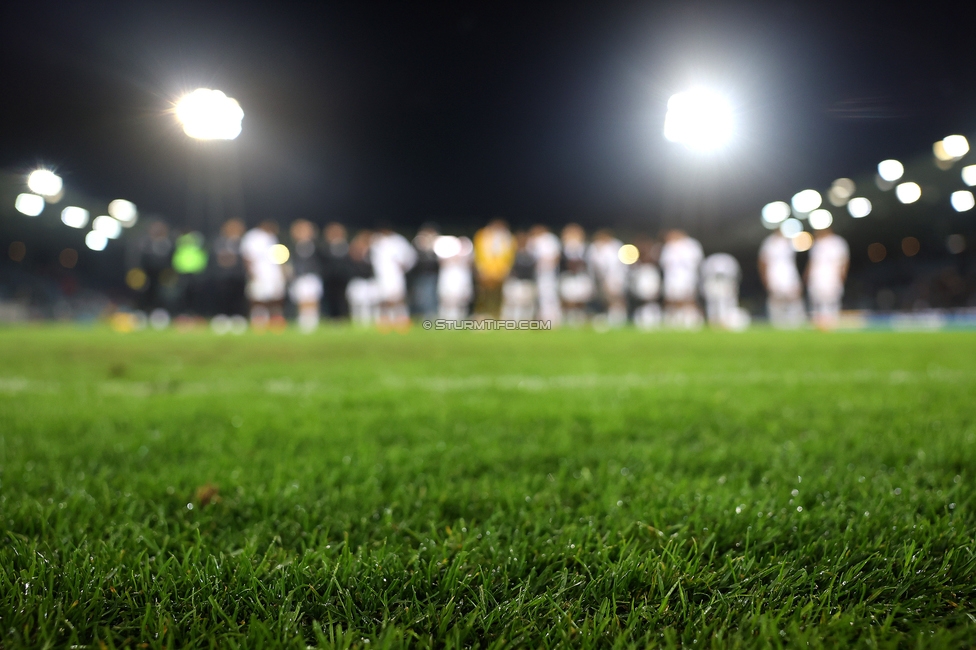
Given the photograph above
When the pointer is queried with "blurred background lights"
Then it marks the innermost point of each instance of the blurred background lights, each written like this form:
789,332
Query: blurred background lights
68,258
840,191
108,226
910,246
969,175
775,212
962,201
74,216
955,146
802,242
940,153
806,201
955,244
877,252
29,204
44,182
209,115
890,170
908,192
279,253
96,240
628,254
17,251
700,119
447,246
820,219
859,207
124,211
791,227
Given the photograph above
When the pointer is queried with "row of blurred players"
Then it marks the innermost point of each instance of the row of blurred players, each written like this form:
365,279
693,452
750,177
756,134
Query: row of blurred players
379,277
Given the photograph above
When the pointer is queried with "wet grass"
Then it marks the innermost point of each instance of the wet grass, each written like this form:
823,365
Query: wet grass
500,489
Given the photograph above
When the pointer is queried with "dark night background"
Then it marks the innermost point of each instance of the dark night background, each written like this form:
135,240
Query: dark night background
543,111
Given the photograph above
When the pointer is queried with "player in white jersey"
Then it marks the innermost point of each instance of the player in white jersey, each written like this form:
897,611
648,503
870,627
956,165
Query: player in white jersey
825,275
603,258
545,247
306,287
265,277
455,281
720,288
362,291
575,281
777,268
392,256
645,287
680,258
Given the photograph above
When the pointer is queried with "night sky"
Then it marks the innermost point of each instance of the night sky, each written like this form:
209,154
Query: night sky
532,111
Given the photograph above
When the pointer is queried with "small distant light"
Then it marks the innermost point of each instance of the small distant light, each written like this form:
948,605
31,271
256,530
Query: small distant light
136,279
955,244
124,211
820,219
802,242
68,258
209,115
910,246
628,254
840,191
17,251
447,246
859,207
96,240
279,253
108,226
29,204
806,201
791,228
876,252
969,175
908,192
44,182
962,200
74,216
775,212
956,146
700,119
890,170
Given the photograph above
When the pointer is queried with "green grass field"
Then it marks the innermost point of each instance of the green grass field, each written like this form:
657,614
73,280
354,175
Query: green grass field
533,489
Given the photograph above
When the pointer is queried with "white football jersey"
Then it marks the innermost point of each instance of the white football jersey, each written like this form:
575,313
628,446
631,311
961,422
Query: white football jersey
778,255
680,260
828,260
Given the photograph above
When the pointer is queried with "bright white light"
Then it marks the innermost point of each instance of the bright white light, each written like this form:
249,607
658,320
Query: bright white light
969,175
962,201
890,170
447,246
124,211
956,146
44,182
29,204
806,201
209,115
628,254
96,240
908,192
791,228
280,254
74,216
820,219
775,212
700,119
840,191
859,207
108,226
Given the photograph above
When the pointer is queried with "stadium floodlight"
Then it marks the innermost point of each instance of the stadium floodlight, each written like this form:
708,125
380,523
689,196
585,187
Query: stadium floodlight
44,182
108,226
700,119
96,240
628,254
820,219
775,212
969,175
859,207
124,211
74,216
890,170
962,201
29,204
956,146
908,192
280,253
840,191
791,228
447,246
209,115
806,201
